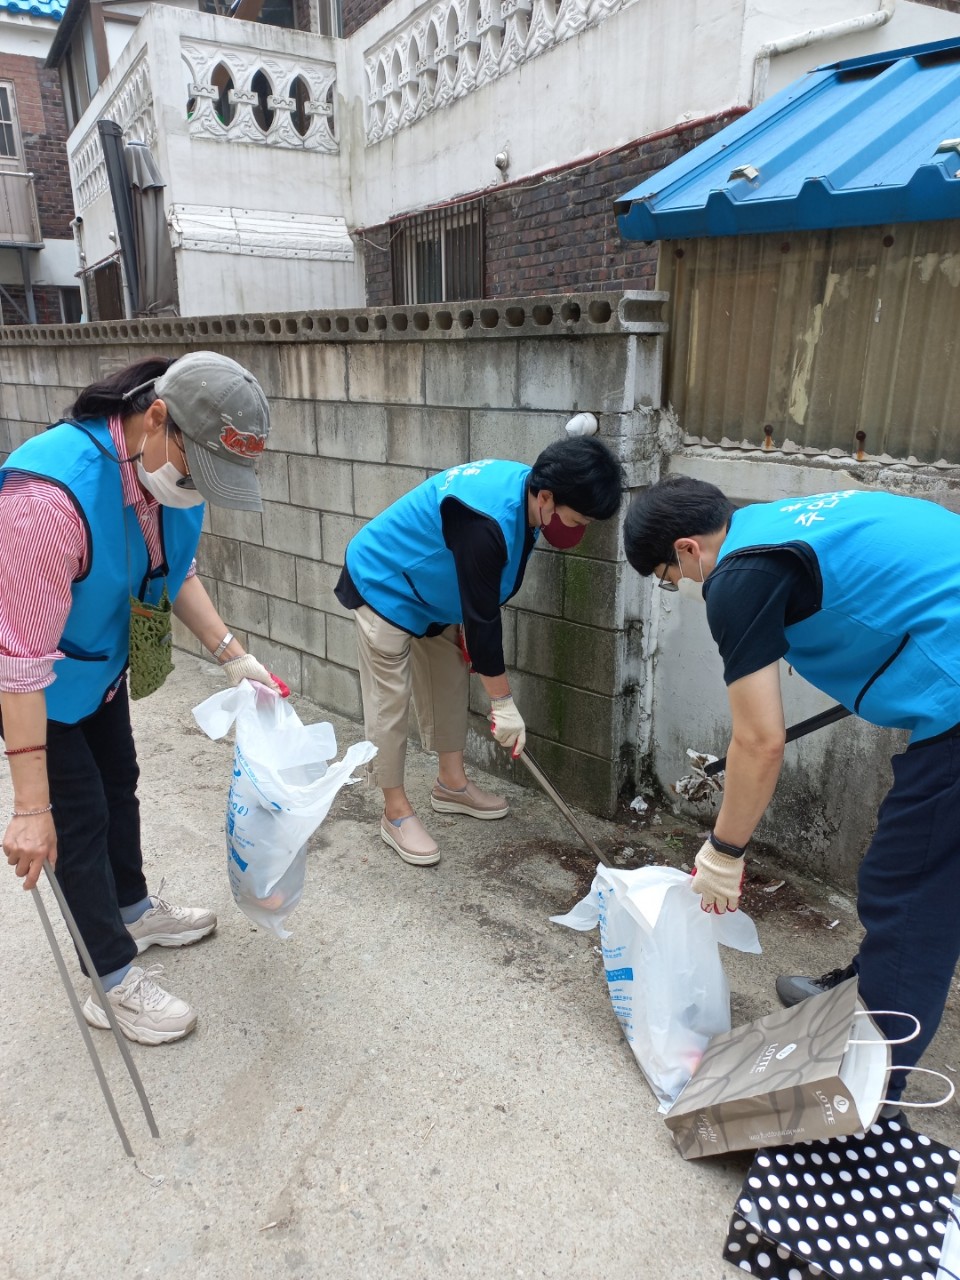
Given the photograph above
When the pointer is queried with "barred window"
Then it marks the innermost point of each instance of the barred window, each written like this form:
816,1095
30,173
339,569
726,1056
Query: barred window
9,148
437,256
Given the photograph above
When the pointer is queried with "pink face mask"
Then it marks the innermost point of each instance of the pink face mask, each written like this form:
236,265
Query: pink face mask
560,535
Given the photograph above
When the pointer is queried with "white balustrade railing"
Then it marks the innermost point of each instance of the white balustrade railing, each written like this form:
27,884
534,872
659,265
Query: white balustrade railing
242,94
450,48
131,107
234,93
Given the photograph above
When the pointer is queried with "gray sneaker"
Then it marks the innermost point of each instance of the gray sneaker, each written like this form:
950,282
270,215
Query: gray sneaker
164,925
145,1012
792,990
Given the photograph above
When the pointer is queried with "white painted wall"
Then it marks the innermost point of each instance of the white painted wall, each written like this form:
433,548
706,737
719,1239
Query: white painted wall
24,35
212,283
119,34
203,171
646,68
54,264
910,24
639,71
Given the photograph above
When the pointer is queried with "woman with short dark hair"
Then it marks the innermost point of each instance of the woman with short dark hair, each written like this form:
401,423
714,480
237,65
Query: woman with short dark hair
434,569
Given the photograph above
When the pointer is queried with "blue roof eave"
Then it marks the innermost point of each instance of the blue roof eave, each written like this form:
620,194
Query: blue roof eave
931,195
52,9
856,143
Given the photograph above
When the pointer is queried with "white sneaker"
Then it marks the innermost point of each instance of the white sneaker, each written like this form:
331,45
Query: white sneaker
145,1012
164,925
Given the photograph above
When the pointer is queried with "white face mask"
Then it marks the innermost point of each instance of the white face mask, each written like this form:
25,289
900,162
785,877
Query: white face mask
689,588
166,484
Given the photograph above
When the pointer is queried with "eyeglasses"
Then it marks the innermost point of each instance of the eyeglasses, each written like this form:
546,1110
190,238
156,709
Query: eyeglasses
174,434
663,582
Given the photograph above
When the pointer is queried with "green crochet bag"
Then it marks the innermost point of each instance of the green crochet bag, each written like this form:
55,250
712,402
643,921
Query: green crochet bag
151,645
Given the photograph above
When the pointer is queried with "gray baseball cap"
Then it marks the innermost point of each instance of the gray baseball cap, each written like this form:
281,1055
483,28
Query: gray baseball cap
224,418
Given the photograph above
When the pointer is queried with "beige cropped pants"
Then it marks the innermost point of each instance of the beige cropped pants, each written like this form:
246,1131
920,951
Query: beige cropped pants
394,665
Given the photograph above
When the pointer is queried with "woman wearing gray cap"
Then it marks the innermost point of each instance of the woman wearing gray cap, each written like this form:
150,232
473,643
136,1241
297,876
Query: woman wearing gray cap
99,521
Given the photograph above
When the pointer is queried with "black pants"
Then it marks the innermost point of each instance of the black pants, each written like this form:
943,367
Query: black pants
909,898
93,774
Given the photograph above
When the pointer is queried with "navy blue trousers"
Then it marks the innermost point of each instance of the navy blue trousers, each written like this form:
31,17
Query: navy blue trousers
93,774
909,898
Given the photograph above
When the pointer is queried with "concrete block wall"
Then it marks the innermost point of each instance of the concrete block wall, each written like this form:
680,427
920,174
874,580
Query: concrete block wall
367,404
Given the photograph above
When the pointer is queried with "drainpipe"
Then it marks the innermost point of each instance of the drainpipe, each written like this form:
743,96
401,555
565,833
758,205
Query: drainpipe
76,226
817,35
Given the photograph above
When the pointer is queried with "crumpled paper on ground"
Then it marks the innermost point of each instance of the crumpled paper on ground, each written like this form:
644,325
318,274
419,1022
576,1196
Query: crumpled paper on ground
695,786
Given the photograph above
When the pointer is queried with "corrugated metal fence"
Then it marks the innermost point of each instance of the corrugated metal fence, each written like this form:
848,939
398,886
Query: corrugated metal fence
843,339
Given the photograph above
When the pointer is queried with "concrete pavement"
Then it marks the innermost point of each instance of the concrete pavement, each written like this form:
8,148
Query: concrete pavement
425,1081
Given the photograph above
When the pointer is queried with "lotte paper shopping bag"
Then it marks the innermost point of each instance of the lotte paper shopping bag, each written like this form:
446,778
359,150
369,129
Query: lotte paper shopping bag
797,1074
873,1204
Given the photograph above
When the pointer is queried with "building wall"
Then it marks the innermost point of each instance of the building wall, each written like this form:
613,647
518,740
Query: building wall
557,231
272,190
46,300
355,13
43,128
43,131
581,109
367,404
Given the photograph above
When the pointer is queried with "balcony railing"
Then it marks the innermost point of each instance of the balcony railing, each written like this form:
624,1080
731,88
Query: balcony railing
19,219
447,48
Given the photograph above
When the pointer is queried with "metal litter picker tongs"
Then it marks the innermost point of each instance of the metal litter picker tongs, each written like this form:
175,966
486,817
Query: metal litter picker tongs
104,1005
548,787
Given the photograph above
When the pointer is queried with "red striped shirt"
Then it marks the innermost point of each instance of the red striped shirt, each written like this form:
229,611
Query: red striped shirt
44,549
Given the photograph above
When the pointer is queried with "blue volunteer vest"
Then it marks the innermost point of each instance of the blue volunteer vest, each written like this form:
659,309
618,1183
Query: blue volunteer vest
886,640
399,562
82,460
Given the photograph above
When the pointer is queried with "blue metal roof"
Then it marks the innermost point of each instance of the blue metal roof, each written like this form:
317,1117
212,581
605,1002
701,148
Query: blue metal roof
857,143
36,8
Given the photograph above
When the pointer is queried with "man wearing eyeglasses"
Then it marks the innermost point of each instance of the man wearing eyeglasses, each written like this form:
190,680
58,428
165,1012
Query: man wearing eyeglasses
830,583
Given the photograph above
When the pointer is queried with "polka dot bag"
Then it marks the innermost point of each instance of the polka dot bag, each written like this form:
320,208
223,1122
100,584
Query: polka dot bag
875,1205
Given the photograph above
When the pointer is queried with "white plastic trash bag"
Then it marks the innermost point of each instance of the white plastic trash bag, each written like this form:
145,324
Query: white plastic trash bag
662,963
282,789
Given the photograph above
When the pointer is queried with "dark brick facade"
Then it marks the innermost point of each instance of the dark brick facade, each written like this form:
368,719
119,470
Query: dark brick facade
43,128
46,299
377,266
557,232
354,13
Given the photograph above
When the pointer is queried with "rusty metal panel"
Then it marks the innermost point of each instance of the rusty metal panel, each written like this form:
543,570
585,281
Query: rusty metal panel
819,336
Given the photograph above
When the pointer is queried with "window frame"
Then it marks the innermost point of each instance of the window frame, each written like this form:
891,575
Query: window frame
412,242
15,161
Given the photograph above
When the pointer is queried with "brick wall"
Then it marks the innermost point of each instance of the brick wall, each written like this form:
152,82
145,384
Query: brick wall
46,299
356,12
377,266
557,231
43,129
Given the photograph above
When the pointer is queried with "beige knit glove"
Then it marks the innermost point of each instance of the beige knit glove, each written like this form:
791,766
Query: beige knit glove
718,878
246,667
507,724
